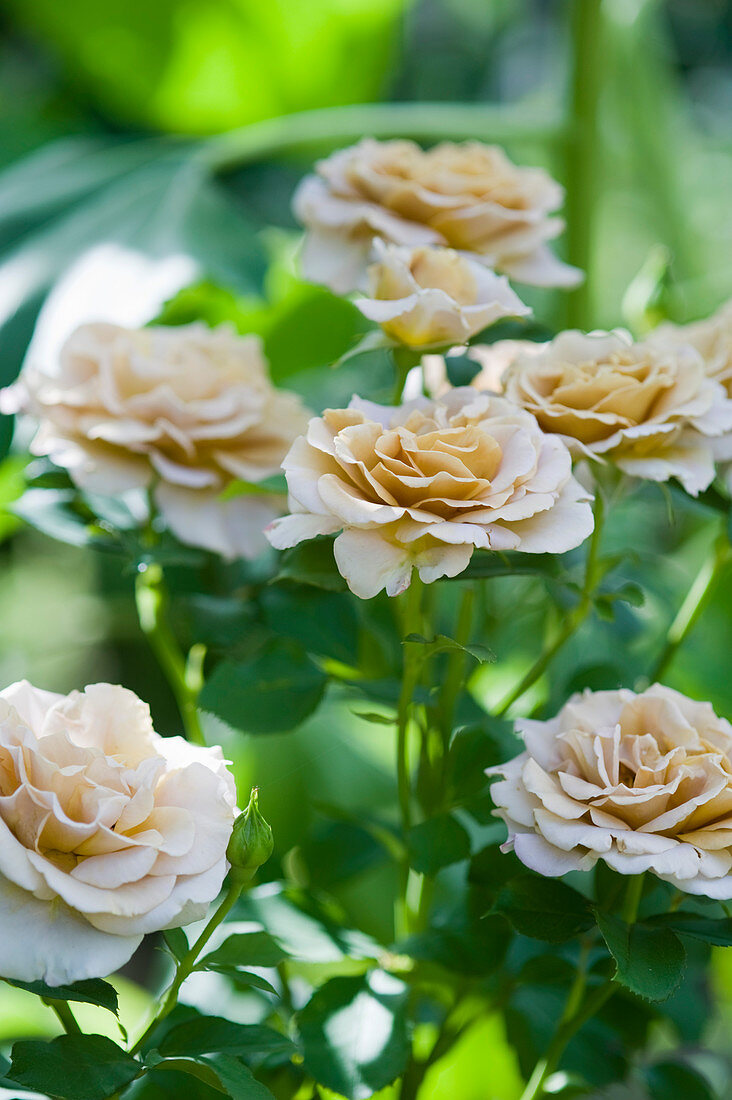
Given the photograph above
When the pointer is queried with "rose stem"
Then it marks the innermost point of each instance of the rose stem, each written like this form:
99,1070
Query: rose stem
183,675
65,1015
576,1015
693,605
187,963
411,607
572,621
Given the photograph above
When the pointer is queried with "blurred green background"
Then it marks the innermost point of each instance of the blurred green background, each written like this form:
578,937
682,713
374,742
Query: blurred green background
113,101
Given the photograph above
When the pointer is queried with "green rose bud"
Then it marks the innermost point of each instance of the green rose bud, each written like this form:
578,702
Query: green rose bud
251,842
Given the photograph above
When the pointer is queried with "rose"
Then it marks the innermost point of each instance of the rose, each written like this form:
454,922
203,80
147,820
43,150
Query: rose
468,196
711,337
108,831
648,408
643,782
426,296
186,410
422,485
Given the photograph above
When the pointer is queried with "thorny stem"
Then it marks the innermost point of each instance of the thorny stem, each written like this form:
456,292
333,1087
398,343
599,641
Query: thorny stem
183,674
694,603
188,962
572,621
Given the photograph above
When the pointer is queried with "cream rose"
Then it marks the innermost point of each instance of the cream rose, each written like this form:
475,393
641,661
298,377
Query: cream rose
424,484
426,296
186,410
648,408
643,782
467,196
711,337
108,831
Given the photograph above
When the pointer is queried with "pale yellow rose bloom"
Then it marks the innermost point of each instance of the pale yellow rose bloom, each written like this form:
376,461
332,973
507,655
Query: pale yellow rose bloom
468,196
423,485
642,782
107,831
430,297
712,338
648,408
187,410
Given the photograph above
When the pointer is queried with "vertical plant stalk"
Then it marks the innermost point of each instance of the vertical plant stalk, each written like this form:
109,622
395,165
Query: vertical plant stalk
185,675
64,1014
573,620
186,965
696,600
411,663
583,153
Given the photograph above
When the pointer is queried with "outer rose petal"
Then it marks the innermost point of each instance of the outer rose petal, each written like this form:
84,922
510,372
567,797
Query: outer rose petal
50,943
232,528
369,563
290,530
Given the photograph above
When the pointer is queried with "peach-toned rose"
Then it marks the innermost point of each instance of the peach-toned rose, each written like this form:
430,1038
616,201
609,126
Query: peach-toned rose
467,196
648,408
430,297
424,484
711,337
186,410
107,831
643,782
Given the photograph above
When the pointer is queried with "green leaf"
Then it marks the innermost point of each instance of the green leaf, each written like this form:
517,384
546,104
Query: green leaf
73,1067
544,908
273,693
177,941
674,1081
717,932
312,563
461,369
468,947
214,1034
93,991
303,929
245,949
325,623
650,961
436,843
442,644
223,1072
54,512
354,1033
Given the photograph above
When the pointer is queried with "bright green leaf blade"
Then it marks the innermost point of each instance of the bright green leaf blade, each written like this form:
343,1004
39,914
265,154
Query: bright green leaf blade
246,949
650,961
436,843
73,1067
214,1034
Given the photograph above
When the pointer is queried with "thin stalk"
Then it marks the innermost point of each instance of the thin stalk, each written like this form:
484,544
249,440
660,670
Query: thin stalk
332,126
583,153
188,962
65,1015
696,600
572,621
411,663
183,675
455,672
632,901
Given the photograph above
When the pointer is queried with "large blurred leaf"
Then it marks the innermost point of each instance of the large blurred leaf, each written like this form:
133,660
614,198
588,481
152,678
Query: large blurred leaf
354,1033
213,64
73,1067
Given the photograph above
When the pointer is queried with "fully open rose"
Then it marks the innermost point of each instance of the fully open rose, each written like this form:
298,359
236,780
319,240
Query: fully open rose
425,297
712,338
425,484
468,196
186,410
649,408
107,831
643,782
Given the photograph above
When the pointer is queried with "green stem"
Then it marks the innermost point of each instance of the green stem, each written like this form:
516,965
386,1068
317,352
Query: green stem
65,1015
696,600
455,672
583,153
332,126
411,664
188,962
632,901
183,675
573,621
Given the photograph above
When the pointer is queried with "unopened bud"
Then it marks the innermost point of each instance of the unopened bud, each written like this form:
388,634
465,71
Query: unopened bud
251,842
